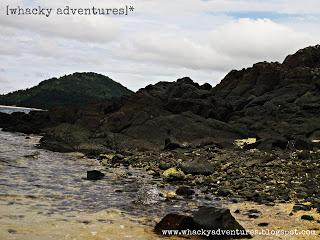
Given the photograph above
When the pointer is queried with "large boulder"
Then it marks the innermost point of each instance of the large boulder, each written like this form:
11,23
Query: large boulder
207,222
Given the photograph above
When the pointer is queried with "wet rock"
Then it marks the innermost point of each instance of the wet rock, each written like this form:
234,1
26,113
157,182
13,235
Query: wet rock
198,168
254,213
301,207
106,157
185,191
169,195
33,155
165,165
172,174
224,192
94,175
307,217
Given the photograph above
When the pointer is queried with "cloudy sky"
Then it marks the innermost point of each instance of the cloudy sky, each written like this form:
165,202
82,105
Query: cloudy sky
161,40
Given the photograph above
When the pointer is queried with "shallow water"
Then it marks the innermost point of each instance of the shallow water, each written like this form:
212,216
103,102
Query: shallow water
44,195
57,181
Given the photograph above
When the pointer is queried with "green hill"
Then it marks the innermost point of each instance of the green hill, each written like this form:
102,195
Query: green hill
74,89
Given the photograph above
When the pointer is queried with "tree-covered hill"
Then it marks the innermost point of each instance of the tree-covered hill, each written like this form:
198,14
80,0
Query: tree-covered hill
74,89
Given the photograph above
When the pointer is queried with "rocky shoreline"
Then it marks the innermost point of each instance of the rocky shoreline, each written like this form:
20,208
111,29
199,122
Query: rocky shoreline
254,137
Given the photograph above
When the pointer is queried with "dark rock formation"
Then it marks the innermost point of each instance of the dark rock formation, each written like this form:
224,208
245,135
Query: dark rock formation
219,221
276,103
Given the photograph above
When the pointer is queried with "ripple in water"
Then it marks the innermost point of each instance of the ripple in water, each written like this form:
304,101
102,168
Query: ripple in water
57,181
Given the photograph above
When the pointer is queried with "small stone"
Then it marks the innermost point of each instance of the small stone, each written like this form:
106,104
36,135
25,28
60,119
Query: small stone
254,215
237,211
301,207
307,217
254,211
208,197
263,224
12,231
234,200
151,172
170,195
94,175
86,222
224,192
165,165
185,191
270,204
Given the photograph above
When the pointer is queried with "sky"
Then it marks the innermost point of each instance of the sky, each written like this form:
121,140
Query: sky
161,40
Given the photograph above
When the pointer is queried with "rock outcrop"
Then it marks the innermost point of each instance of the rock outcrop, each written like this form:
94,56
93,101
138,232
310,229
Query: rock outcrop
276,103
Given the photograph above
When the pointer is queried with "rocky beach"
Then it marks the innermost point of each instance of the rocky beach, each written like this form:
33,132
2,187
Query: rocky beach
244,154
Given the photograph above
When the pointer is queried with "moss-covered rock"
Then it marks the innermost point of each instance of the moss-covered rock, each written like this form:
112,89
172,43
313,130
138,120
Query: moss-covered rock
173,174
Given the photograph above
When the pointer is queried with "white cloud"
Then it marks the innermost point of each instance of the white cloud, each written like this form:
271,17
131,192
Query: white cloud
236,44
262,39
161,40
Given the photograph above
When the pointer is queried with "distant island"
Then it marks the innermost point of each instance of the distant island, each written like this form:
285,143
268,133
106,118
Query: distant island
73,89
